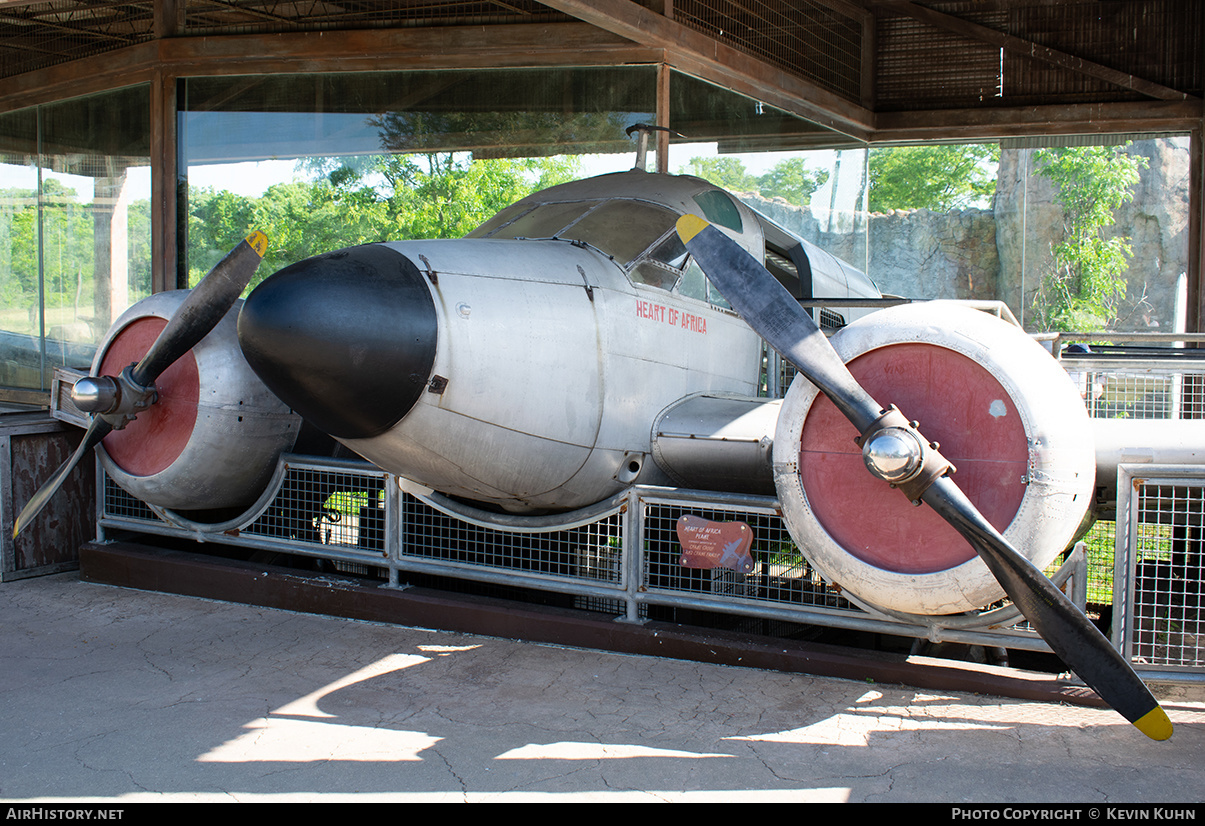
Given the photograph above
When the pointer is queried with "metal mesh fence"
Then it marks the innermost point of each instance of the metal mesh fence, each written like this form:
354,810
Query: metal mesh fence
318,511
1118,392
1165,616
320,506
241,16
117,503
1099,543
781,574
590,552
344,514
807,38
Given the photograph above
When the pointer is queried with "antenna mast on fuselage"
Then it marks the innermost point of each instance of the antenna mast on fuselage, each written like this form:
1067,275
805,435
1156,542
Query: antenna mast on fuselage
642,145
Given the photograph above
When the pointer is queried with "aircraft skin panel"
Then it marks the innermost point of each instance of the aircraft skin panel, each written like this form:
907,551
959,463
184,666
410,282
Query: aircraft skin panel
521,451
599,386
660,361
494,376
427,446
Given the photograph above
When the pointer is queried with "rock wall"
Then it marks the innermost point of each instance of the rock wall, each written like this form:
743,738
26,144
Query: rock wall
1002,252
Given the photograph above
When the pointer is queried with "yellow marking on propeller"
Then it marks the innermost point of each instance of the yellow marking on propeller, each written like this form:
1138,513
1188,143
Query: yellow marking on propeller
1154,724
689,226
258,242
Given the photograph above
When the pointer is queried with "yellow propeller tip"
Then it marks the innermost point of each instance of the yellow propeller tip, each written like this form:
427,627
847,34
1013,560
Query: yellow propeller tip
689,226
1154,724
258,242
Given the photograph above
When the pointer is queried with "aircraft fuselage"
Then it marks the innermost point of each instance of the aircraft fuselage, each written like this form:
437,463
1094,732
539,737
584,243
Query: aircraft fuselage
524,372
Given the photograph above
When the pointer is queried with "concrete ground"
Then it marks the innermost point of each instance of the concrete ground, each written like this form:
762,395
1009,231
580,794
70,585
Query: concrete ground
119,696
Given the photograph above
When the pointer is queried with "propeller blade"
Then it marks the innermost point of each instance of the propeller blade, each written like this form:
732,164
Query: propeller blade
1079,644
205,306
199,313
96,431
775,314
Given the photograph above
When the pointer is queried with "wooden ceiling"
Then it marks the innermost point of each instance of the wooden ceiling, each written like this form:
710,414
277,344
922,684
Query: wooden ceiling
873,70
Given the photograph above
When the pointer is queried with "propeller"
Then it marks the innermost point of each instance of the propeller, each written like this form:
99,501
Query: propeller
895,451
117,401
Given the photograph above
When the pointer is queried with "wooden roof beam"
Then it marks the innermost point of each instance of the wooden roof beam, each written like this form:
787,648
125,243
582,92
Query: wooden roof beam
704,57
1020,46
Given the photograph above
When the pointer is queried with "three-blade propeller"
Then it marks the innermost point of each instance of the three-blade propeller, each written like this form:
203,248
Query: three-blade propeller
115,401
896,452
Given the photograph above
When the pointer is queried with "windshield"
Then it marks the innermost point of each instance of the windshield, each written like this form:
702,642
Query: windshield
622,229
544,221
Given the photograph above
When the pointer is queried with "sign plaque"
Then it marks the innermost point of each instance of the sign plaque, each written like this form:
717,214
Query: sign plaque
707,544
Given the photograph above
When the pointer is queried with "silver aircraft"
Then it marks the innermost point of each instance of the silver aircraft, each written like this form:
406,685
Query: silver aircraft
609,332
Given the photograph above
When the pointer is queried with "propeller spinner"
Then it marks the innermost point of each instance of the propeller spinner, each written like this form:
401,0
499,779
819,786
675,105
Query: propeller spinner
115,401
895,451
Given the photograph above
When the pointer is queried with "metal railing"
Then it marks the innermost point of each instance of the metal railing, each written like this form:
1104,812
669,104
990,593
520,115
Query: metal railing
623,558
1159,561
622,561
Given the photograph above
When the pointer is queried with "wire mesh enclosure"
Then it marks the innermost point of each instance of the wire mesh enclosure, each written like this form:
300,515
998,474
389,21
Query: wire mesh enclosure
1159,557
781,575
587,553
619,562
1144,575
1157,388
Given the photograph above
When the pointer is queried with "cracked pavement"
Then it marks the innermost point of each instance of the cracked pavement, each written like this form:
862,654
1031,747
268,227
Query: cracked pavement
111,694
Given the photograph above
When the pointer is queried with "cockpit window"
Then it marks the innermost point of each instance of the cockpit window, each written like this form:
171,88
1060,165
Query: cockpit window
670,252
719,208
663,265
622,229
544,221
501,219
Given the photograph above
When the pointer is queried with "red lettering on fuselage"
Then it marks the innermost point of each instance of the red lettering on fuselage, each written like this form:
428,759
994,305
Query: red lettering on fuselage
672,316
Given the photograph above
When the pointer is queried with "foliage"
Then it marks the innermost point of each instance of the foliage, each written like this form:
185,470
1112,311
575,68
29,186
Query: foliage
1086,284
351,201
729,173
789,179
792,181
66,240
939,178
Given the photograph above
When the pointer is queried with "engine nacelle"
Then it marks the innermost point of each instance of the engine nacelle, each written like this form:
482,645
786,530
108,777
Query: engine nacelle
212,439
1003,412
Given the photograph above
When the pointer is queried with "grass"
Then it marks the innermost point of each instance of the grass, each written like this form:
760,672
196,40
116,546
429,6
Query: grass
349,502
1154,542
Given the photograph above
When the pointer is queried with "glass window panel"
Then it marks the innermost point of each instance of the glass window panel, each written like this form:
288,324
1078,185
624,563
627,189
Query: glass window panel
1136,253
545,221
805,177
320,162
622,229
694,283
654,275
20,285
670,252
76,229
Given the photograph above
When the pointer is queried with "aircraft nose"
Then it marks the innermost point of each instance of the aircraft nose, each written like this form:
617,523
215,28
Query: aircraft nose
347,339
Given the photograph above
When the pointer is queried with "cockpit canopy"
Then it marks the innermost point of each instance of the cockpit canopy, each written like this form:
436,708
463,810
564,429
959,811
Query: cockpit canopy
637,233
630,217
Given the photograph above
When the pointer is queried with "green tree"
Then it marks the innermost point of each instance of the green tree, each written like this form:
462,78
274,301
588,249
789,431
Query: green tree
792,181
217,220
728,173
939,178
444,194
351,201
789,179
1086,284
